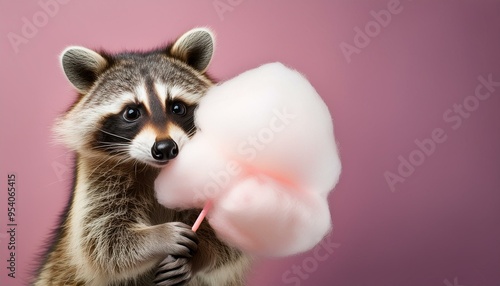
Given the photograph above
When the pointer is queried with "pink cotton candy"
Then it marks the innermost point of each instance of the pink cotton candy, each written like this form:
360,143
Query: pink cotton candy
265,156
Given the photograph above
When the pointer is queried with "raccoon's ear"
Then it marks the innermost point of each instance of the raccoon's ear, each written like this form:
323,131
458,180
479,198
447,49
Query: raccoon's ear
82,67
195,48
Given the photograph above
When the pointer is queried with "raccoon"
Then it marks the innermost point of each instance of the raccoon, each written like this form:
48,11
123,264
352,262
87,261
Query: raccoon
133,114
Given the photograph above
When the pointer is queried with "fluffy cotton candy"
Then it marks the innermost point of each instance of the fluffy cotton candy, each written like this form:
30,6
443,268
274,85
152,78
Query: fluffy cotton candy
265,155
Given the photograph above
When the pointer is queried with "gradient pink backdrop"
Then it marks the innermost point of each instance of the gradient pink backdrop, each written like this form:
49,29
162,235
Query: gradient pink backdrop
441,226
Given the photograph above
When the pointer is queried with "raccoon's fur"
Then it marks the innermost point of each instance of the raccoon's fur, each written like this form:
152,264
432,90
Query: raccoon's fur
133,114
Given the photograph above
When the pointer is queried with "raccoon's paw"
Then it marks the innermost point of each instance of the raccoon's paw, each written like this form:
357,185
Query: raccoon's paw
182,241
173,271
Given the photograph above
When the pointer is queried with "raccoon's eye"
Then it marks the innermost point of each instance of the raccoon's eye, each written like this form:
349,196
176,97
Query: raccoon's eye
131,114
178,108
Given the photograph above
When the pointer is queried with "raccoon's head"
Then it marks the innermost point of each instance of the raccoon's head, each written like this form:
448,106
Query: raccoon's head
136,106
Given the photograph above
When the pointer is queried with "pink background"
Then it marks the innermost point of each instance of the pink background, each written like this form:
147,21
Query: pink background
441,226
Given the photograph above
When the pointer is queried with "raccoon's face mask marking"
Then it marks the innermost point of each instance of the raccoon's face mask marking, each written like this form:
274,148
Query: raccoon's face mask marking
136,106
152,132
131,114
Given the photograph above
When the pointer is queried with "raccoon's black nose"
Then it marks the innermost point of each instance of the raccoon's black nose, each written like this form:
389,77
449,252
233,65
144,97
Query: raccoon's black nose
164,150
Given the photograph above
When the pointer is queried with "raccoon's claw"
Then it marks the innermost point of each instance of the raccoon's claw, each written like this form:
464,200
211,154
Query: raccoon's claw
173,271
184,241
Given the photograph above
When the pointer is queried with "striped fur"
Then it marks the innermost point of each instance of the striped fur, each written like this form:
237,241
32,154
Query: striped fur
113,231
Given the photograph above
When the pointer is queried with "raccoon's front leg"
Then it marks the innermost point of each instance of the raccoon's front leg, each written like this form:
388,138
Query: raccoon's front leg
214,261
212,257
125,252
173,271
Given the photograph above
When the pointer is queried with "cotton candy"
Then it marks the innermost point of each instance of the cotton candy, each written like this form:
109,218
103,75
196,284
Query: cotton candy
265,156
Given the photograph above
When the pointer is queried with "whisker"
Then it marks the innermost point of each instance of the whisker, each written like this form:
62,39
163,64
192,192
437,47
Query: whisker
119,154
192,131
112,134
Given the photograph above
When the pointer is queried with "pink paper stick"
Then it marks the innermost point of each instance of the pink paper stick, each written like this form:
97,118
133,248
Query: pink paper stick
202,215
